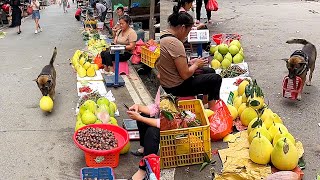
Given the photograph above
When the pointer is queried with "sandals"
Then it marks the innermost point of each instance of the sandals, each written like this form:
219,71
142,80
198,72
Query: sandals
103,71
137,153
108,73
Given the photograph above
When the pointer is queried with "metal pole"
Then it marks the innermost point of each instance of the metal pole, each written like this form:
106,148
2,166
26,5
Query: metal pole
199,50
152,30
116,73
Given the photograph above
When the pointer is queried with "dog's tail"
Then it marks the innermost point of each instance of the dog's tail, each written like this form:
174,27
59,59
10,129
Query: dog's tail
298,41
53,56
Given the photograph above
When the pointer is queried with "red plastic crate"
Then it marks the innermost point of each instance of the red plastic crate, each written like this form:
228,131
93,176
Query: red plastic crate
291,87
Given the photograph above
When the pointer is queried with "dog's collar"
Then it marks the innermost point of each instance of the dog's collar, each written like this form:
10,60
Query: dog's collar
302,54
301,69
45,74
304,67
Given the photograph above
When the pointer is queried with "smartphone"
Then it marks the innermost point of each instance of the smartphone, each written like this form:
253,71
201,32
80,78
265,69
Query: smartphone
125,106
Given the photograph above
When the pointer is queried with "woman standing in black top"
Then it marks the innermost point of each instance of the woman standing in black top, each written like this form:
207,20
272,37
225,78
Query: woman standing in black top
16,14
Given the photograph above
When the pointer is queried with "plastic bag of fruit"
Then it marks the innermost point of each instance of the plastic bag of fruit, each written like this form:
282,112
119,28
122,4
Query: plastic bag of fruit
221,122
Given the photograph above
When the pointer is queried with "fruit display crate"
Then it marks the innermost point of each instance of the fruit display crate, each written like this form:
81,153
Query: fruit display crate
187,146
103,173
148,57
227,86
97,77
94,85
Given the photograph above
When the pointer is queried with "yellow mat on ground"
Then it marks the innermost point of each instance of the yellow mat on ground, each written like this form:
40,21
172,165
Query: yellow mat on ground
236,161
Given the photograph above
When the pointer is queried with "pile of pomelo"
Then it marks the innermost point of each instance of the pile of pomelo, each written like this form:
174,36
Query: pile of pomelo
224,55
270,140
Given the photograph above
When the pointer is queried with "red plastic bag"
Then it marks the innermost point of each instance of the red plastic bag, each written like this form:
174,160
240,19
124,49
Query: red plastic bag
221,122
139,44
98,61
154,162
136,59
6,8
212,5
29,10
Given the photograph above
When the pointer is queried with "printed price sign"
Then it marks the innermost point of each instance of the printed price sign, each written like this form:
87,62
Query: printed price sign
230,98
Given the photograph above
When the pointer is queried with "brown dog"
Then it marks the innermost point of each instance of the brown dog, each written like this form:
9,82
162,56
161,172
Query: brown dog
47,78
301,61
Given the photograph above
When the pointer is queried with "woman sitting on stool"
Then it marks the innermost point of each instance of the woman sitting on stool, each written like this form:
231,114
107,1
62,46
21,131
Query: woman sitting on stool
125,36
148,122
177,77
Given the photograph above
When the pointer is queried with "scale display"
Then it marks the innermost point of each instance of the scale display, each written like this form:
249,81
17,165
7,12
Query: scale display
199,36
120,48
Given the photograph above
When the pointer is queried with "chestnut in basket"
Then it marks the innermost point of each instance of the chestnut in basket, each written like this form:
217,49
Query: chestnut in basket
97,139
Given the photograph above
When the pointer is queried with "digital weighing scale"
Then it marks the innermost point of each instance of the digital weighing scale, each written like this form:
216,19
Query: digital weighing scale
131,126
115,80
199,37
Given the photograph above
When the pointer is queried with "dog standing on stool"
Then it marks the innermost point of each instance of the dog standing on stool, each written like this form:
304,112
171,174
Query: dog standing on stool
47,78
301,61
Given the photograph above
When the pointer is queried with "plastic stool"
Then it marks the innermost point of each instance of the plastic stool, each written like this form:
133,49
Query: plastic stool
123,67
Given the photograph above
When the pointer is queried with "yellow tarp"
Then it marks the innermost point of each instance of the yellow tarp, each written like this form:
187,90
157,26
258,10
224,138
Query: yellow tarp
236,161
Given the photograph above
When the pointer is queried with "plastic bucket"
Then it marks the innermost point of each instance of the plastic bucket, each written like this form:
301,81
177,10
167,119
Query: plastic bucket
100,25
225,38
101,158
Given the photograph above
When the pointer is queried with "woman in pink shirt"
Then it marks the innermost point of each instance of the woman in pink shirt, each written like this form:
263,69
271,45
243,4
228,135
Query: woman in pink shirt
148,122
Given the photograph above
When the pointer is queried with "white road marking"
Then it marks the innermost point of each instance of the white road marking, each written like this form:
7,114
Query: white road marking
136,99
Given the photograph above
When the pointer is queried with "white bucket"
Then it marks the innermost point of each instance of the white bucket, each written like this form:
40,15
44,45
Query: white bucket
100,25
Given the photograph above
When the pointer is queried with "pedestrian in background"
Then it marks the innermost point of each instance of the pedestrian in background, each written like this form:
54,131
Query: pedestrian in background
59,2
64,5
16,14
198,11
101,10
36,14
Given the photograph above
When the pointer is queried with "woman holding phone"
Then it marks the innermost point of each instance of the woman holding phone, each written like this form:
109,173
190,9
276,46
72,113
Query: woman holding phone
177,77
148,122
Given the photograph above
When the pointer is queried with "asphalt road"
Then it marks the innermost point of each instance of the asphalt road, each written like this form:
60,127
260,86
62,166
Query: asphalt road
35,145
265,26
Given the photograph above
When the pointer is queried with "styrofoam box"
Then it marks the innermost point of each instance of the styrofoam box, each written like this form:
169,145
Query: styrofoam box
97,77
94,85
243,65
227,86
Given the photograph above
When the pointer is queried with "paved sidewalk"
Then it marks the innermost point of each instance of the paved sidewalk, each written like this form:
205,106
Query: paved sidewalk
38,146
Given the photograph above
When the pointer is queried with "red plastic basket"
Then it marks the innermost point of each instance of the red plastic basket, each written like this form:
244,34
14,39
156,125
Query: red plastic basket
291,87
101,158
225,38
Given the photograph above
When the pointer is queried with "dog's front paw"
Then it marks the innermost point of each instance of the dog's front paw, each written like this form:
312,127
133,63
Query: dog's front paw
299,97
308,83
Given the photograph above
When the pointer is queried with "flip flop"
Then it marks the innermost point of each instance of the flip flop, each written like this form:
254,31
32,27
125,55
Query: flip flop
103,71
137,153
